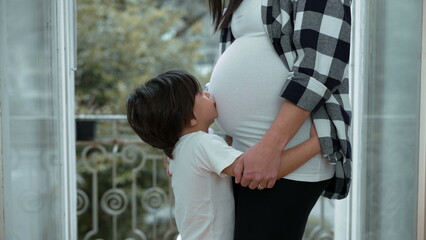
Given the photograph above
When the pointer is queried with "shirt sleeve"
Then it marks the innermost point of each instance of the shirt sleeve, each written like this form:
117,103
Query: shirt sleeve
215,155
321,39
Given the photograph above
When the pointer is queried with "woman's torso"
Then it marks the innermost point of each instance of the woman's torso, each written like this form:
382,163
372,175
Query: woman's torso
247,82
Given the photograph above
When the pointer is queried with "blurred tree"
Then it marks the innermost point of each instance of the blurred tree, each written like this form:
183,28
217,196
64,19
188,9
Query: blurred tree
121,43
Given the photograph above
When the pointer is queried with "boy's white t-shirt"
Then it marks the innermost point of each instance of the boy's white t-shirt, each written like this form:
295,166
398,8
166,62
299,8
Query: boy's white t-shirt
204,201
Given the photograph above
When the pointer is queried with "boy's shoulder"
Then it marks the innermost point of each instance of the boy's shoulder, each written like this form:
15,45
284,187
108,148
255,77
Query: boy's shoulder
199,136
196,145
200,140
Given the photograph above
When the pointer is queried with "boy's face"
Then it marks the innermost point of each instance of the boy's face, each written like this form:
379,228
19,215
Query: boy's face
205,108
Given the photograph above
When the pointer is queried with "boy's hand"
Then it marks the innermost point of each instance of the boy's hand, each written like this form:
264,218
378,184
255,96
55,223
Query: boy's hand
314,137
314,133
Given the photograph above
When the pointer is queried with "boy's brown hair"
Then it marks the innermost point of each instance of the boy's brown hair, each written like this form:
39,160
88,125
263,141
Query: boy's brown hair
159,110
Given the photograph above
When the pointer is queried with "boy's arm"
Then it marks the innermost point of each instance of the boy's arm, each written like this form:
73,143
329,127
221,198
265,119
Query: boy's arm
293,158
229,170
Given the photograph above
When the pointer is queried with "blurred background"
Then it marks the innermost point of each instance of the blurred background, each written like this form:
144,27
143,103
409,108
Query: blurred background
121,44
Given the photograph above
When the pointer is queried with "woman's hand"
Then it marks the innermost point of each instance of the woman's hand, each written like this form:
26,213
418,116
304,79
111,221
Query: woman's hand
258,167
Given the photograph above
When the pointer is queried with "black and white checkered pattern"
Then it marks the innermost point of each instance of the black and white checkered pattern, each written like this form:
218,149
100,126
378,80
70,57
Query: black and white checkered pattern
312,38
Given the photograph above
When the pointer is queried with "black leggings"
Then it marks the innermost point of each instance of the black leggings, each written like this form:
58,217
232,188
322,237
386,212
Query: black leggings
278,213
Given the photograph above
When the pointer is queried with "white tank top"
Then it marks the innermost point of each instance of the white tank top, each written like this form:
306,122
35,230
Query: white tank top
246,84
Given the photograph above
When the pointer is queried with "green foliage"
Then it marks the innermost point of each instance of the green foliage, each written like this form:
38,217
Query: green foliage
122,43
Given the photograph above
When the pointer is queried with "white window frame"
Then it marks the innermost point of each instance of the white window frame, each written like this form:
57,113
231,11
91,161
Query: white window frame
360,27
3,119
421,207
67,64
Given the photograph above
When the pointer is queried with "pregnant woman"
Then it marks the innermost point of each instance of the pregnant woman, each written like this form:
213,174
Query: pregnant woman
285,66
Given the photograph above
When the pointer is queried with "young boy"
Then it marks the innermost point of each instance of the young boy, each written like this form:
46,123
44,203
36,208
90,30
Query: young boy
171,112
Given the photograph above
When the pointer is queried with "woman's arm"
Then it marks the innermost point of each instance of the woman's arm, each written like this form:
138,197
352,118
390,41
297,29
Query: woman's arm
292,158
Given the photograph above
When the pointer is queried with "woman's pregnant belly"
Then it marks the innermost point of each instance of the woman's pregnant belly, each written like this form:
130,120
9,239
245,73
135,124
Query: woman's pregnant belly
246,83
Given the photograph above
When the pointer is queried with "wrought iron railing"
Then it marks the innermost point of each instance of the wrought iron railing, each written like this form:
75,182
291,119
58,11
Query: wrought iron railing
123,191
125,194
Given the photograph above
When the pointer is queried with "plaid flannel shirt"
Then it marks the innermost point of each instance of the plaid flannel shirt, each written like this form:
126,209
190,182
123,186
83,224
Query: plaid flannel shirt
312,38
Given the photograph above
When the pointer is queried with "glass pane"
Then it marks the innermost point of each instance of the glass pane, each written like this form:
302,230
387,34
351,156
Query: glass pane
33,176
391,120
122,188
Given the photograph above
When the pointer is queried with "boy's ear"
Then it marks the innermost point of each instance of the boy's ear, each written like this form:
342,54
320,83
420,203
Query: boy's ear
193,122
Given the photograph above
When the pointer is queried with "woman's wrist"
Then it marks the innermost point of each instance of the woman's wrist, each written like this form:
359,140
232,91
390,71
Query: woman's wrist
286,124
275,141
